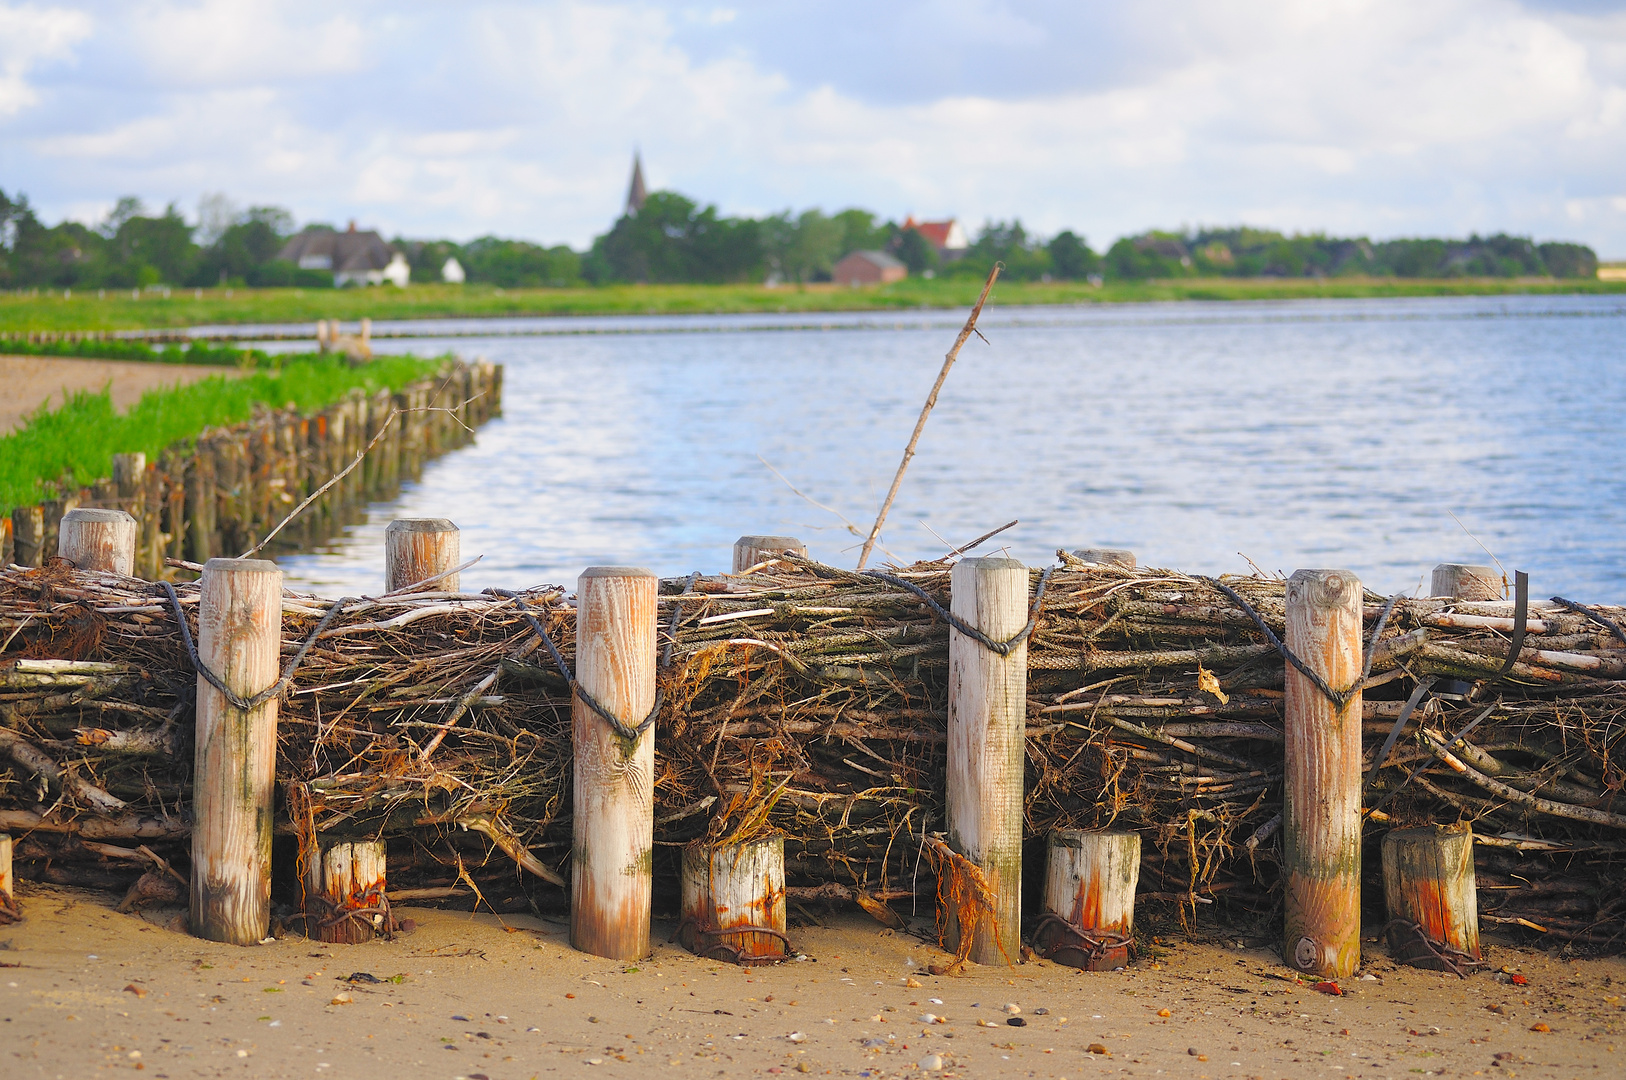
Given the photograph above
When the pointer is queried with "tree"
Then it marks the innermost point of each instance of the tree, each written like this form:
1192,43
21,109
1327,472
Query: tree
1071,258
915,251
671,239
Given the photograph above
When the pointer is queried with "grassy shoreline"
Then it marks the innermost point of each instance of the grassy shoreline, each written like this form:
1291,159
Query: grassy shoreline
75,443
84,311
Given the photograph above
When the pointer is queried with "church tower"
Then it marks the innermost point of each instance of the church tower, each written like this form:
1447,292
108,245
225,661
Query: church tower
636,194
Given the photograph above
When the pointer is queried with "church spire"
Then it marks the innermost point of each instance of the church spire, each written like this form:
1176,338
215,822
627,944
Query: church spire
636,194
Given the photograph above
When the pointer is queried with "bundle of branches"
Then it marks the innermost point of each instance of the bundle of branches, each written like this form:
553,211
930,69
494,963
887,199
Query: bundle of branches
811,701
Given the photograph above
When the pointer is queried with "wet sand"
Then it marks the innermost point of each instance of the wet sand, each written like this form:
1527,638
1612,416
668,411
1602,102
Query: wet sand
85,989
31,381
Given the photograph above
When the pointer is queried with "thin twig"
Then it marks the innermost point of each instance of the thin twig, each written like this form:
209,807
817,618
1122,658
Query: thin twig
828,510
347,470
925,411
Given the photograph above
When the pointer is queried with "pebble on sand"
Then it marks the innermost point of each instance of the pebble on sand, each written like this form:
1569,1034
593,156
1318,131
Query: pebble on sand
931,1062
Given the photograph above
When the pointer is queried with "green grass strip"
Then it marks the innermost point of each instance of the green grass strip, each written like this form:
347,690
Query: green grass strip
22,313
79,439
198,352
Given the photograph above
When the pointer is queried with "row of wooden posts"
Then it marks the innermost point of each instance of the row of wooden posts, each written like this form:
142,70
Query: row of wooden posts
221,495
733,898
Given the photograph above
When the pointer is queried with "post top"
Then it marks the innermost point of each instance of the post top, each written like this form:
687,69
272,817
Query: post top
771,543
1071,837
618,572
992,562
1324,588
241,566
93,513
1416,832
421,525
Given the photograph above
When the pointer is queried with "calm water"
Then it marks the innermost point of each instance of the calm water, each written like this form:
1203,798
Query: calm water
1294,434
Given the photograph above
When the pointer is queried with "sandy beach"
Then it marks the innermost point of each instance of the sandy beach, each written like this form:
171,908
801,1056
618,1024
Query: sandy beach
30,381
85,989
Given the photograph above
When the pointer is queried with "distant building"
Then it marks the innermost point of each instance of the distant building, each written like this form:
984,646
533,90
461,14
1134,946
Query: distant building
356,258
452,272
946,236
636,193
868,268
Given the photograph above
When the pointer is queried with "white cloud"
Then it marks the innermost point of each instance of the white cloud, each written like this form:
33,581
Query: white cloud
30,35
1363,116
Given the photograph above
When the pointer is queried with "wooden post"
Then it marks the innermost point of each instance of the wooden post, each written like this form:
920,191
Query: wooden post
239,639
738,888
352,882
28,535
1089,886
129,471
612,867
150,541
200,505
102,540
1460,581
1107,557
750,550
1321,826
987,717
52,512
1428,882
8,884
419,548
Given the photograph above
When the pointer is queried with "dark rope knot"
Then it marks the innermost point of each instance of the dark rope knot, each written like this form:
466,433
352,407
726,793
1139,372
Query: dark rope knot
1000,648
275,690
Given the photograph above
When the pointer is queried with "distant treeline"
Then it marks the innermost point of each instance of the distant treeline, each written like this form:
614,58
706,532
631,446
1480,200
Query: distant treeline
675,239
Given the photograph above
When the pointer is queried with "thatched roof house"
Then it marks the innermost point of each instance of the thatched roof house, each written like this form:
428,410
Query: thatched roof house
355,257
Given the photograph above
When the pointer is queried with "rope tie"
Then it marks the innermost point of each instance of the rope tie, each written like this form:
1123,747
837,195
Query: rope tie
1069,939
711,944
1339,698
1000,648
275,690
631,734
1410,944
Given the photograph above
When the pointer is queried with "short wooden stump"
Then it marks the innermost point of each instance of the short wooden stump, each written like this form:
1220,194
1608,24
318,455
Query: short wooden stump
1089,899
733,899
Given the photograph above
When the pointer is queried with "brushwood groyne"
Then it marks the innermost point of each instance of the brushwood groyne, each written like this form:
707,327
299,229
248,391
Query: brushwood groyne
1265,743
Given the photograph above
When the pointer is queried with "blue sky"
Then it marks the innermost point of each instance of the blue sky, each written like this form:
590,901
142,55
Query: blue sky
1376,117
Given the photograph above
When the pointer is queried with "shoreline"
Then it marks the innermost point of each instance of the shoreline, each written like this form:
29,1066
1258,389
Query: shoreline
502,997
85,312
32,381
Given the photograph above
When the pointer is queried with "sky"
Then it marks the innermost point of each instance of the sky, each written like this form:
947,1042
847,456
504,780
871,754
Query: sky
1379,118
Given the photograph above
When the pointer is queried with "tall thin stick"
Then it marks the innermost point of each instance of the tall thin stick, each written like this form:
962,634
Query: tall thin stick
925,411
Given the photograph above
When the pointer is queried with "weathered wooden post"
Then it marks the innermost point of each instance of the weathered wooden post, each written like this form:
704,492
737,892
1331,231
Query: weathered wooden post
1428,883
1463,582
986,741
8,888
1321,826
733,901
200,505
98,540
239,640
349,908
52,511
750,550
614,837
1089,899
28,535
1107,557
416,549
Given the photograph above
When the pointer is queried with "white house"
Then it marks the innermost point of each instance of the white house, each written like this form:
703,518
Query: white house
452,272
356,258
